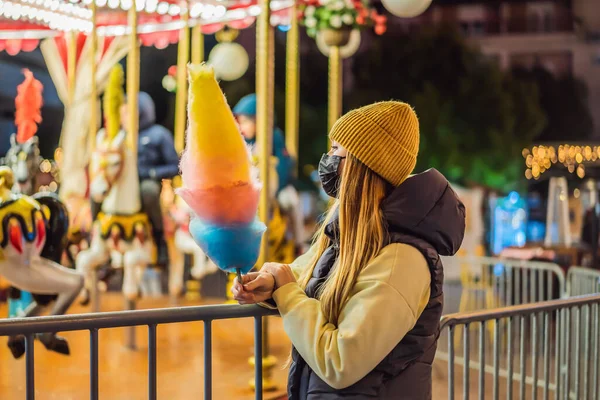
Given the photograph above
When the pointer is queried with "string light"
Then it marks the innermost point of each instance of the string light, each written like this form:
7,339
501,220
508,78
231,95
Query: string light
68,16
56,15
541,158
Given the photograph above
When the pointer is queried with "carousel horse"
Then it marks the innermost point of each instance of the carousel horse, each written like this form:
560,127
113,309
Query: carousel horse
24,160
33,234
120,226
182,243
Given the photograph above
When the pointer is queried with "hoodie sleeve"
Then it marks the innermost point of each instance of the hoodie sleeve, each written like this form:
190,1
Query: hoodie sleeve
388,298
169,157
298,267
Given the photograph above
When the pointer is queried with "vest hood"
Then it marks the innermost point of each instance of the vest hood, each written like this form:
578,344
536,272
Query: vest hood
426,207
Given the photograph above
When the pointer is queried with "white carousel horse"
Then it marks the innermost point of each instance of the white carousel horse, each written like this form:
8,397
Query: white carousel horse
120,226
32,234
183,243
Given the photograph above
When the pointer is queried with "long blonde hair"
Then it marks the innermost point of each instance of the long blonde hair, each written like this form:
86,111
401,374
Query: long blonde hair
362,235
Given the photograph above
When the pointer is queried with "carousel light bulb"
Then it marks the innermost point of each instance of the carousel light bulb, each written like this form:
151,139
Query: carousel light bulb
162,8
86,2
126,4
151,7
235,15
140,5
174,10
208,12
101,3
254,10
220,11
196,10
17,12
55,5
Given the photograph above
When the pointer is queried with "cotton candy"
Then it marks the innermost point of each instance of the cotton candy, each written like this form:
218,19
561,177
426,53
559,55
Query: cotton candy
219,183
229,247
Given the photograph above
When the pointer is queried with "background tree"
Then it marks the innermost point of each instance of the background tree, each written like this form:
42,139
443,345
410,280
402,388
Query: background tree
475,119
564,101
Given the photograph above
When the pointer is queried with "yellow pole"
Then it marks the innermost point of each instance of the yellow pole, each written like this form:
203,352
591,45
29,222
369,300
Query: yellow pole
193,286
292,86
183,54
71,64
265,56
197,44
93,87
133,81
335,85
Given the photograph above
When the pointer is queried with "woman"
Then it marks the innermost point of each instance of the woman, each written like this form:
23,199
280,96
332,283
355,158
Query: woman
362,307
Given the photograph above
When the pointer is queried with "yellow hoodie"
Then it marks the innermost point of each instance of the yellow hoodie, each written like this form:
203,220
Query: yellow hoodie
390,294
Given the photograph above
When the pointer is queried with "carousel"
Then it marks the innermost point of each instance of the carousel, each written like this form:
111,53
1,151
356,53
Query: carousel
107,259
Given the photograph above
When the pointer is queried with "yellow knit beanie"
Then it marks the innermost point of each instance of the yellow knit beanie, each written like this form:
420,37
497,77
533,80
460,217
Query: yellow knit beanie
383,136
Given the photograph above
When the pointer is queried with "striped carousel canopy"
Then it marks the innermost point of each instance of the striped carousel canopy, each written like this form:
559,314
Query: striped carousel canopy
23,23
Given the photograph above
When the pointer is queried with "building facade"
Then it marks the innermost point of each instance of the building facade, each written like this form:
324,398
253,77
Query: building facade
562,36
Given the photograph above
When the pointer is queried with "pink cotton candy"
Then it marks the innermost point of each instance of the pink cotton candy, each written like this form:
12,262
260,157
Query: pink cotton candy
208,172
219,205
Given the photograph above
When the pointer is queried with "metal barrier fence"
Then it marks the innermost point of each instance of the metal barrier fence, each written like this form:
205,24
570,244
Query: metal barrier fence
151,318
489,282
582,281
560,337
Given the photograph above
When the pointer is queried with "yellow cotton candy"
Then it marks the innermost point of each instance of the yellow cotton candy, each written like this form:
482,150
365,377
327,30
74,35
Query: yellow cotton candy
213,135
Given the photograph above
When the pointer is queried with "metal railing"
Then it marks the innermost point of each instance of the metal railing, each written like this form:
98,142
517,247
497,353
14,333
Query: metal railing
490,282
560,337
29,327
582,281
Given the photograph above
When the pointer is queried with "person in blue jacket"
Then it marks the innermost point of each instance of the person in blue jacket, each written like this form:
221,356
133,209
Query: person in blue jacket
157,160
287,196
245,112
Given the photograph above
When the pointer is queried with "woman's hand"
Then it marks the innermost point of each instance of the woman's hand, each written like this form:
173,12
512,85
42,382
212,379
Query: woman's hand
257,287
281,272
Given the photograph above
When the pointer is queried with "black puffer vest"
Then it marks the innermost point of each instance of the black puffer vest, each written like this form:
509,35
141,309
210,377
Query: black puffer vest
432,220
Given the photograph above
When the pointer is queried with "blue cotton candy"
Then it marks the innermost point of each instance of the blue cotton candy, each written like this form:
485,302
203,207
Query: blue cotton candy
229,247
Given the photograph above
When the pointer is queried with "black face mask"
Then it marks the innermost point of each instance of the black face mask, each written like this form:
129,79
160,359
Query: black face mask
328,173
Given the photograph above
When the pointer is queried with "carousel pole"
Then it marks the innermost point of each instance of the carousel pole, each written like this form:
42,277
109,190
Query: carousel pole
93,85
183,51
265,36
197,44
94,292
292,85
71,64
335,86
133,88
183,54
193,286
